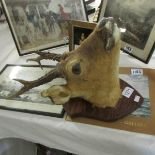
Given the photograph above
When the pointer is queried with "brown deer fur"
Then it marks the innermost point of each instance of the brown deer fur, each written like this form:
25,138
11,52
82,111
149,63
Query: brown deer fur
98,81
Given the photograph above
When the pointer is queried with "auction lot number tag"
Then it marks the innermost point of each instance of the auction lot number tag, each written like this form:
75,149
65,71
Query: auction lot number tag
137,71
127,92
128,49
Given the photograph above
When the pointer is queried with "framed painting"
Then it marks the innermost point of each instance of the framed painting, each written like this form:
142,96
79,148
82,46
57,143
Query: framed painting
2,16
78,31
41,24
136,20
31,101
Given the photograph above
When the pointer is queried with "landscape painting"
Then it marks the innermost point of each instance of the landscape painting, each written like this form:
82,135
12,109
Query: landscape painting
31,101
137,17
136,20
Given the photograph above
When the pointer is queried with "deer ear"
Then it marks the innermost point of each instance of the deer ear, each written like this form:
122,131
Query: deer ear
57,94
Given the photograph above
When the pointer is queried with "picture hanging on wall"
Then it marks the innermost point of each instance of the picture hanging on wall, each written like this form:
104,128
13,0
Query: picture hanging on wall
78,32
136,20
31,101
41,24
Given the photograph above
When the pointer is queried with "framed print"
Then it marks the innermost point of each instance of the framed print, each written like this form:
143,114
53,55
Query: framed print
2,16
89,1
30,101
41,24
136,20
78,31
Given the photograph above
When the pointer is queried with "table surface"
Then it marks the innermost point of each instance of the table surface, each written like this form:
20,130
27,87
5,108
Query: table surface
73,137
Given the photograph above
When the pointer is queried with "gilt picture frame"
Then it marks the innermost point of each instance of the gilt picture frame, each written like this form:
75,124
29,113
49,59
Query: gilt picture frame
41,24
78,31
30,101
136,21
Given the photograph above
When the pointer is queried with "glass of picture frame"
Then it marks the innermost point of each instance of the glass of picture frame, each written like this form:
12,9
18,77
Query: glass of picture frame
78,31
39,25
30,101
136,20
2,16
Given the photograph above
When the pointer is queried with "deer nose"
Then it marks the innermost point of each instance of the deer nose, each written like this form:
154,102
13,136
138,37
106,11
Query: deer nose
104,21
110,32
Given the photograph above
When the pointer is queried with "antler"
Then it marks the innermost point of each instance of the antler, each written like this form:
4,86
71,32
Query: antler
46,56
31,84
49,56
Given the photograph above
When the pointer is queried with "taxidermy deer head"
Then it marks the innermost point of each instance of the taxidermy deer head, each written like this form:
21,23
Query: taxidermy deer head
91,70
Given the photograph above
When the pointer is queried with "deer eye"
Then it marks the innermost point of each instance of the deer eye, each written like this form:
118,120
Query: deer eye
76,69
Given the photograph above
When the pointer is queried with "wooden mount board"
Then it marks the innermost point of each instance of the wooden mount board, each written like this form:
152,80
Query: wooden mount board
81,108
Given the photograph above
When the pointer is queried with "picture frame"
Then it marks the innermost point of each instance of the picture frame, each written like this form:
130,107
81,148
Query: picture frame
2,16
30,101
78,31
136,21
41,24
89,1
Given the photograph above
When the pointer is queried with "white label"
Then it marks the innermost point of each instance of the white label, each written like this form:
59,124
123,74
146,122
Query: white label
128,49
137,98
137,71
127,92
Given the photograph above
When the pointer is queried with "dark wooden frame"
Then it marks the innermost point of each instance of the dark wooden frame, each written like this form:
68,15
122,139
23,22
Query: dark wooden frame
81,27
144,54
52,113
44,46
